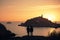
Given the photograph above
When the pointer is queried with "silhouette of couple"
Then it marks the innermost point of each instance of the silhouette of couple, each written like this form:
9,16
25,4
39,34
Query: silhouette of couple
30,30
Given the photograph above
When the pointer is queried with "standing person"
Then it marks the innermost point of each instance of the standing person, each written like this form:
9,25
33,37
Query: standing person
30,30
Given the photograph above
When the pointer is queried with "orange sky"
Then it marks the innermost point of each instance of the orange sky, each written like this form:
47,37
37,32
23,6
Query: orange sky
21,10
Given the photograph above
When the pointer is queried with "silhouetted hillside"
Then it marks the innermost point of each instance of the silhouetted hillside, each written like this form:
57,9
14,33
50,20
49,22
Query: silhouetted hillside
5,34
39,22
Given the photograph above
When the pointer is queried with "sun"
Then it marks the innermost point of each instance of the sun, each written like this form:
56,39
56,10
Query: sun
49,16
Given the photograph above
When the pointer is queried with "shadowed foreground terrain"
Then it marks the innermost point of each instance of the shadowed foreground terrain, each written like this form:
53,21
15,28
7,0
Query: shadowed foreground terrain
35,38
55,37
52,36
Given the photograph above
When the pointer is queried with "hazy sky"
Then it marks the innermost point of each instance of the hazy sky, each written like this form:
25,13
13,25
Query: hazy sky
21,10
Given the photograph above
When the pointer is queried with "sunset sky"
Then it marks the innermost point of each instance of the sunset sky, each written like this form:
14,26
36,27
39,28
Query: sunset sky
21,10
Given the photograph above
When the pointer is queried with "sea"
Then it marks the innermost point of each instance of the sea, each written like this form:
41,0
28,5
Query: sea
21,30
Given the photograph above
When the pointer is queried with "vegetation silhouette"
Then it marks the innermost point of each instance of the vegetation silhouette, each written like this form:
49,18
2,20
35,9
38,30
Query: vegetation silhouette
54,36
